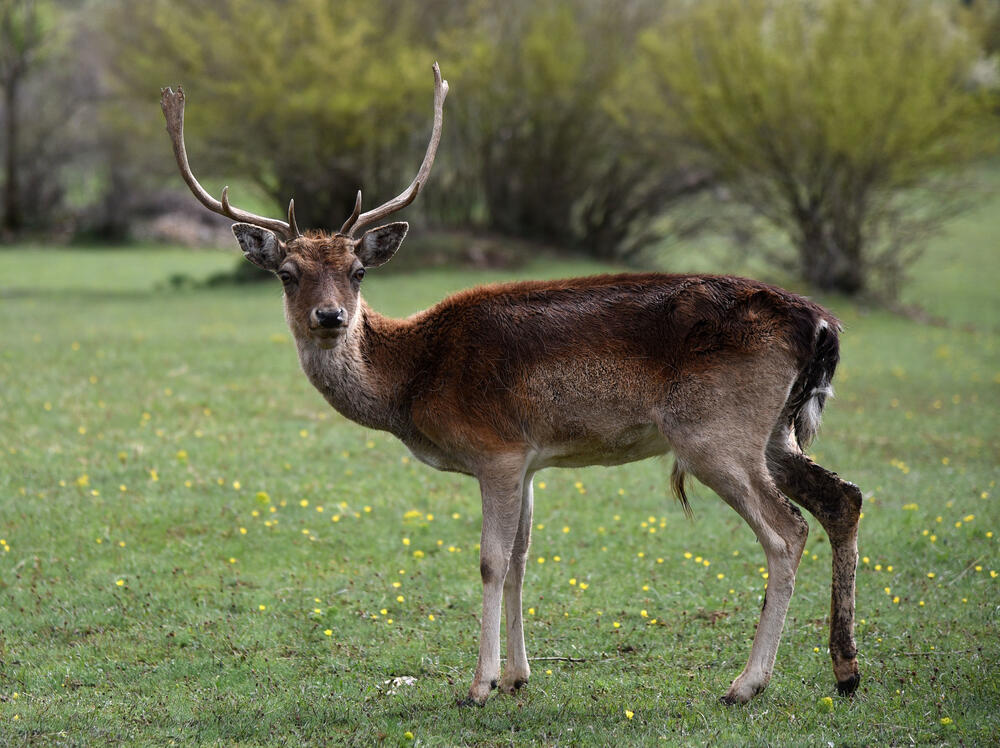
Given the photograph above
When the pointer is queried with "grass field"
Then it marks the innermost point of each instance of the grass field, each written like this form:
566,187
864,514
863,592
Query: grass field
196,549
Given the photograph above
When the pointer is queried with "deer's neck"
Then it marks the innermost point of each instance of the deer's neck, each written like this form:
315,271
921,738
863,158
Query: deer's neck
365,376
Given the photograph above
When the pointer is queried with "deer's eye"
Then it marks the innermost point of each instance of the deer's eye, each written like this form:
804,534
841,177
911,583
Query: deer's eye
357,275
286,277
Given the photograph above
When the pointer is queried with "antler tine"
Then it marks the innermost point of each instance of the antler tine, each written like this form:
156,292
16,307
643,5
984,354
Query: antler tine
408,195
292,225
172,105
353,217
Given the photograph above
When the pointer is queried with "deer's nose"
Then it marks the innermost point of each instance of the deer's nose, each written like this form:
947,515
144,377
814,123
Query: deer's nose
329,317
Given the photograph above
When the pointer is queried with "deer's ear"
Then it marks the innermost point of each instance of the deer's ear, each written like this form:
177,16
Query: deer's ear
377,246
260,246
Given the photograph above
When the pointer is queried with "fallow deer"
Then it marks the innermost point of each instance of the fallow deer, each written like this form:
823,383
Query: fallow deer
498,382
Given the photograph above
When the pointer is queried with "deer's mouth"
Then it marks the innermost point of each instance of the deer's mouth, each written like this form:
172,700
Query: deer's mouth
326,338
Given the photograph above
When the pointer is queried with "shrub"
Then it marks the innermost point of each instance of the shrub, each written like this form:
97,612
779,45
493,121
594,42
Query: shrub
837,121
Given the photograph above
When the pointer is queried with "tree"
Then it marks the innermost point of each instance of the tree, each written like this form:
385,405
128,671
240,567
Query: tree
20,42
836,121
313,99
49,76
308,99
543,149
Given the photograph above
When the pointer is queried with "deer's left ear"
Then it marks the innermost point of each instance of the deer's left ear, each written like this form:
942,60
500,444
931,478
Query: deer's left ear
377,246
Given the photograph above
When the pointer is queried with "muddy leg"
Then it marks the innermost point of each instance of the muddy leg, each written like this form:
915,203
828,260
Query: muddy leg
837,506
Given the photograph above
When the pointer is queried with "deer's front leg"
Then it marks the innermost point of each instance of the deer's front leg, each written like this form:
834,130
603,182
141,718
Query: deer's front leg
516,672
501,491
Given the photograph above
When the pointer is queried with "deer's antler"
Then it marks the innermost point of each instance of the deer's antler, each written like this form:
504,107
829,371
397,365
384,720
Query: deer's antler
357,219
172,105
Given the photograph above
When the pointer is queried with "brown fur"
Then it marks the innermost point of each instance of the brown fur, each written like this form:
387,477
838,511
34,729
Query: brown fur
501,381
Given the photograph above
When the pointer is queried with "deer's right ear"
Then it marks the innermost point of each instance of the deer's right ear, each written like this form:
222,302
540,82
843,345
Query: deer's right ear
260,246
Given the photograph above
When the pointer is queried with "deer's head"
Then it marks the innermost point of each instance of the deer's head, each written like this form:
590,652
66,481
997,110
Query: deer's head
321,272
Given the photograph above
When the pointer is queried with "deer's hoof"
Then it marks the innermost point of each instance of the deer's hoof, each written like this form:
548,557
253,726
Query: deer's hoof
478,694
742,690
848,686
513,686
732,700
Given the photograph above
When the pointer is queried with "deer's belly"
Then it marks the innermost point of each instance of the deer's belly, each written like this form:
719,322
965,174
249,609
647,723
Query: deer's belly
614,447
437,458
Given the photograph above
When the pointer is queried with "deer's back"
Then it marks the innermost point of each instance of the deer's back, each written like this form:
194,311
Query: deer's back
577,367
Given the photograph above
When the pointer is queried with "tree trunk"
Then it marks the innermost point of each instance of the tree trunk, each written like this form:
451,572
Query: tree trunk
829,267
13,219
830,252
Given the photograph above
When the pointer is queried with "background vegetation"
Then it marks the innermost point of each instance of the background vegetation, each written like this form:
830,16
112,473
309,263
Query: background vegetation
827,138
835,122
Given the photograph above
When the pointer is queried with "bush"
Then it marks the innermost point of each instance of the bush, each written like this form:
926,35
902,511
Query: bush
309,99
538,130
837,121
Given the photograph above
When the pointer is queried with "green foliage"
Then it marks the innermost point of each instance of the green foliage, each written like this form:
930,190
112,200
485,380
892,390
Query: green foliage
308,98
202,387
578,124
313,98
824,117
21,31
981,19
541,145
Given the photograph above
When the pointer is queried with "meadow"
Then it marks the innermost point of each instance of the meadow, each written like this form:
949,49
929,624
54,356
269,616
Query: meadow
195,549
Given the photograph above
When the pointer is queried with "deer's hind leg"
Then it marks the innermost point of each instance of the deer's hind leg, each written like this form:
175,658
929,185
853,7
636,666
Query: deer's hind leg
720,434
837,505
736,469
781,530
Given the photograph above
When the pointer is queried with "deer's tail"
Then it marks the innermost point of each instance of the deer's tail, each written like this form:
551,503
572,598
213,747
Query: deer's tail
813,386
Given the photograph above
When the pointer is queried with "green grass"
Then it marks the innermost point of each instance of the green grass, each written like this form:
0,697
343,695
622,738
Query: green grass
142,429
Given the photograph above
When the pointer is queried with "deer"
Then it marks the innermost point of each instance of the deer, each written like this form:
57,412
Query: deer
728,374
